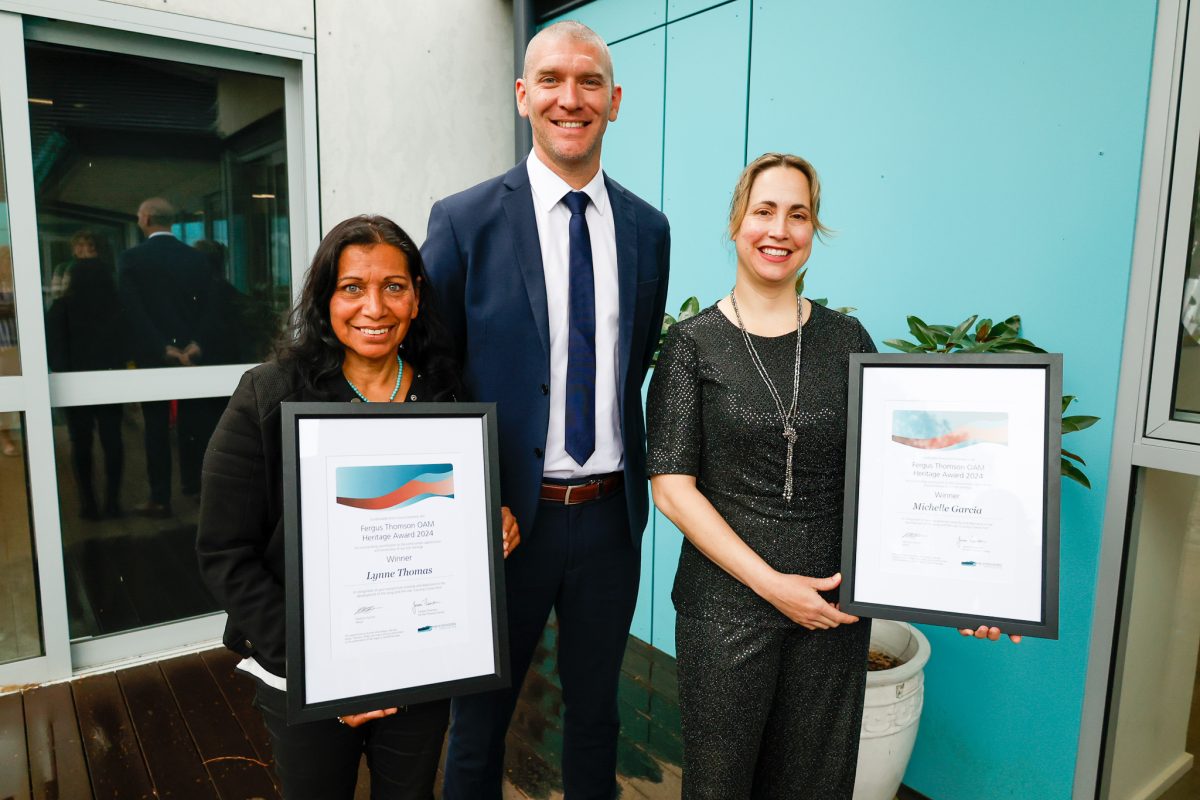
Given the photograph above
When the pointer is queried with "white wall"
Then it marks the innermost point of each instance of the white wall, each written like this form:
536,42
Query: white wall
282,16
414,102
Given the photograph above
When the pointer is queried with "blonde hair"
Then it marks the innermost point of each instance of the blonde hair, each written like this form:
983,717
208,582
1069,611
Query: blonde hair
741,192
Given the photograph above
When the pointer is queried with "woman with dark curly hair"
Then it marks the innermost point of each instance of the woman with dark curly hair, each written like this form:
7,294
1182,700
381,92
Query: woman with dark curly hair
355,335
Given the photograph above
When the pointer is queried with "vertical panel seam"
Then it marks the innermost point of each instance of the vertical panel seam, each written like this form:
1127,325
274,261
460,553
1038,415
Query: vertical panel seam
749,67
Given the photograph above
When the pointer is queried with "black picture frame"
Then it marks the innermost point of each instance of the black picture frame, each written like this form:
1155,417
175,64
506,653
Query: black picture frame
963,368
300,709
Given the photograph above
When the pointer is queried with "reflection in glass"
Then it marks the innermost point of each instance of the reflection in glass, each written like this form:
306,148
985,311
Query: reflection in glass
20,615
10,356
166,184
129,509
1187,374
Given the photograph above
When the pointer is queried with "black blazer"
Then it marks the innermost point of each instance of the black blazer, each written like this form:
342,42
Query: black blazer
484,260
240,537
165,289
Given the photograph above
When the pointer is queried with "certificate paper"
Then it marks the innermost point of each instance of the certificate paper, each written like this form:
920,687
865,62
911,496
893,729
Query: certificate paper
396,532
952,490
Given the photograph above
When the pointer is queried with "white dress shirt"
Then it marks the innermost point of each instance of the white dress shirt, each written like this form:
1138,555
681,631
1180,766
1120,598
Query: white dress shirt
553,220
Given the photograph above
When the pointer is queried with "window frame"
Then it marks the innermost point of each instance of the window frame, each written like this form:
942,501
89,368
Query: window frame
101,25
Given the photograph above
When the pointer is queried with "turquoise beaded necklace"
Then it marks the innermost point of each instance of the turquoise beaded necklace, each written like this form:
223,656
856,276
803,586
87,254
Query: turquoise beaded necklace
395,389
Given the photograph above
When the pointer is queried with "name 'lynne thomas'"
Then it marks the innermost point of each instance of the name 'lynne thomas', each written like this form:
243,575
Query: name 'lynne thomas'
943,507
399,572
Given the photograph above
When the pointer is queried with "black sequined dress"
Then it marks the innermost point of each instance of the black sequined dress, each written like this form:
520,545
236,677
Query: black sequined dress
769,709
709,414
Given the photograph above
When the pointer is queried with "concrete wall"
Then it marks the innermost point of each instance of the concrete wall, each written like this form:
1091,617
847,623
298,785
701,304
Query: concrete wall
294,17
975,159
414,102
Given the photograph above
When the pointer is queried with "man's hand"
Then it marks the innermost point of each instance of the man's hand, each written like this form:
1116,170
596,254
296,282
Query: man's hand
991,634
512,531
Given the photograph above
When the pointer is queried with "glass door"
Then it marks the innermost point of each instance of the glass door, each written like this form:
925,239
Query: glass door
156,261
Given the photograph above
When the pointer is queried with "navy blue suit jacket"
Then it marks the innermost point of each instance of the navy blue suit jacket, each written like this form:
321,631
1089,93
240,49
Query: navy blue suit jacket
485,262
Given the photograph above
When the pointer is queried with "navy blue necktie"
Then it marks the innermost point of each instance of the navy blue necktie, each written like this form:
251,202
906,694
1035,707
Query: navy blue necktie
581,339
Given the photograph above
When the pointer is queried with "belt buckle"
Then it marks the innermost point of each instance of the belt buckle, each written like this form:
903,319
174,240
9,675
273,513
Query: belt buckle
572,487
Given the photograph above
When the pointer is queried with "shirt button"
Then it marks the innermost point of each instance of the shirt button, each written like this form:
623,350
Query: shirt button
545,389
537,452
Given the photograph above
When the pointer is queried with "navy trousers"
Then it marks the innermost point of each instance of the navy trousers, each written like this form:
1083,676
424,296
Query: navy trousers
580,561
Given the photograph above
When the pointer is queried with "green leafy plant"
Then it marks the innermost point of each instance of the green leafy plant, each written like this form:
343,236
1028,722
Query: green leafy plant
986,337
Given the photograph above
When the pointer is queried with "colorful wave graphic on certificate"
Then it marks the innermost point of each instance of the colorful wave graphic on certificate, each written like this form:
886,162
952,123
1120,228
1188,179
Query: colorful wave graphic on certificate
393,486
925,429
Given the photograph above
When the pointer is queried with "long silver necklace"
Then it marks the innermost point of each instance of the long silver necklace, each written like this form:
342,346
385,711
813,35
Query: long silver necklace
787,417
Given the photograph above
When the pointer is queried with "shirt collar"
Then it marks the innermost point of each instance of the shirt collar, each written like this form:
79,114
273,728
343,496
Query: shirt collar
161,233
549,189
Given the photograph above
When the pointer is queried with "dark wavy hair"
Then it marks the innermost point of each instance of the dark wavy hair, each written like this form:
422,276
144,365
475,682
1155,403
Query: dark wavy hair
310,342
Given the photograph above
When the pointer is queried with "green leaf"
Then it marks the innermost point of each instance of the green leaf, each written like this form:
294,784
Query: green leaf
1015,345
956,336
983,329
925,334
800,280
1078,423
1069,470
981,347
667,322
689,309
1069,454
903,346
1010,327
821,301
846,309
1067,400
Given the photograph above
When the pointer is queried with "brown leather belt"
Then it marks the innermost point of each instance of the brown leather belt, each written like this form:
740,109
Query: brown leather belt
572,494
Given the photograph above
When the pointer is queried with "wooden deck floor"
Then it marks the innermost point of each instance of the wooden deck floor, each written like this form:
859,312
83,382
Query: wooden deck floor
181,728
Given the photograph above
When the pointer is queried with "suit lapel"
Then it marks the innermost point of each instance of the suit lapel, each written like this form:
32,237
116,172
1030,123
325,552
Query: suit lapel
625,225
518,209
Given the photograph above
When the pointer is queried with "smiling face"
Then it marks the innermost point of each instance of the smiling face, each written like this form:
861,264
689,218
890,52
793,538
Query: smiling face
568,96
774,239
373,303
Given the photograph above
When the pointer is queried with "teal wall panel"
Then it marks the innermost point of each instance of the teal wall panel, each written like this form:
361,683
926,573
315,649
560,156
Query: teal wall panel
632,156
979,158
975,159
632,152
618,19
704,136
683,8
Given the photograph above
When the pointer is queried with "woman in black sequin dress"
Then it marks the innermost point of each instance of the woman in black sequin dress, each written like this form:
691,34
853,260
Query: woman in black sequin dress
771,672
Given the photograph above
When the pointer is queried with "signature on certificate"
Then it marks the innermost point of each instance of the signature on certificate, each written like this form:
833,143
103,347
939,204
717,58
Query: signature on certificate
426,603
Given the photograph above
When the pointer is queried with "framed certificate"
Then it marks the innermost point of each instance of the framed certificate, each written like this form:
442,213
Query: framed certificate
952,490
394,558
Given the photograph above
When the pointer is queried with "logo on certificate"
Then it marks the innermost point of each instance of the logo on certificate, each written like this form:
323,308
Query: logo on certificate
393,486
948,430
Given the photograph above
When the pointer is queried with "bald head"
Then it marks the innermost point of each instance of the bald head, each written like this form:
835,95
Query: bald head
156,214
568,29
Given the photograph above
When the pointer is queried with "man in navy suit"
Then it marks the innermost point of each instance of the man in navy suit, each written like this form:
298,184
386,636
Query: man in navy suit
164,287
553,279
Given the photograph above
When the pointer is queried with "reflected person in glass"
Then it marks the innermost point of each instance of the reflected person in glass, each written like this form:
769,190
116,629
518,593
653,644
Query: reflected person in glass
85,331
164,286
355,335
10,358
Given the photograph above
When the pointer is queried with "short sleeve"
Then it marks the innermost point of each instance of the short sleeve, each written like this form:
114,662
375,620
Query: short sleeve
673,408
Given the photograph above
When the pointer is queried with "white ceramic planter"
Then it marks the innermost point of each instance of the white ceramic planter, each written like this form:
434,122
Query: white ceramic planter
892,710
